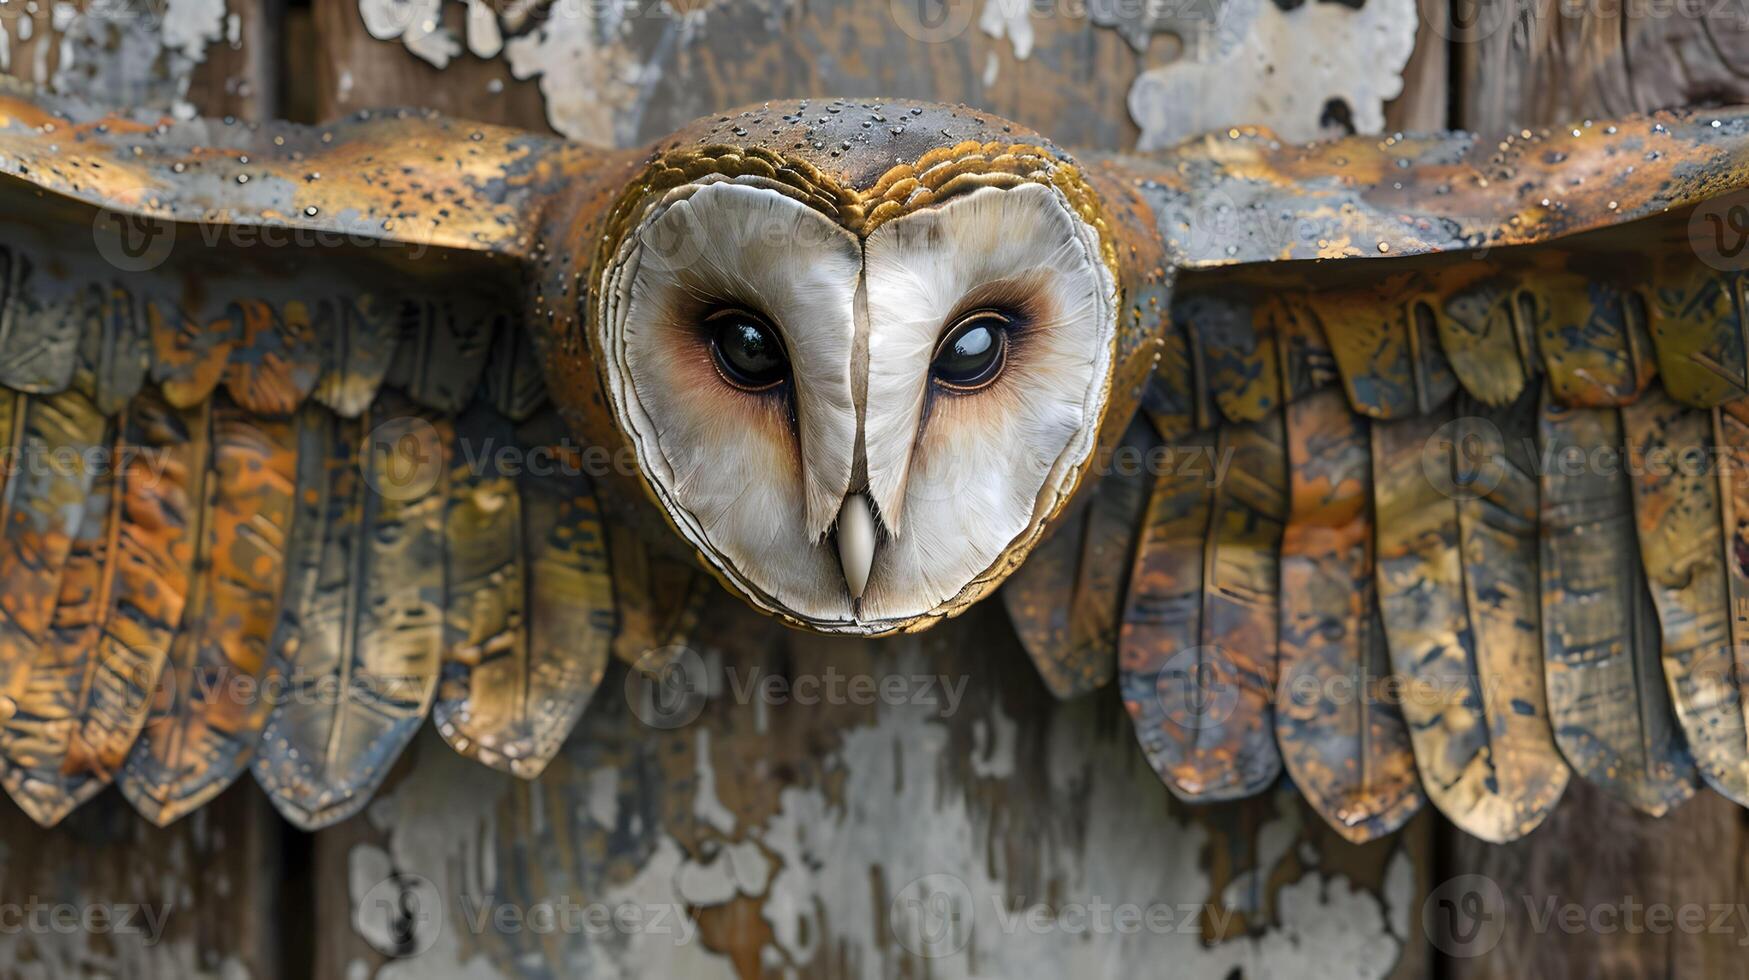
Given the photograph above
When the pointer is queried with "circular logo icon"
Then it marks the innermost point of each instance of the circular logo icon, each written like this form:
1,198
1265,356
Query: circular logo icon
401,915
132,242
1465,916
1198,688
1465,21
932,21
389,20
406,458
1464,459
932,916
667,688
675,240
1718,232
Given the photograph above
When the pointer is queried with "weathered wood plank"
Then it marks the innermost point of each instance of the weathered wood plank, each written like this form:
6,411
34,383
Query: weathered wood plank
1545,62
1600,891
747,832
200,899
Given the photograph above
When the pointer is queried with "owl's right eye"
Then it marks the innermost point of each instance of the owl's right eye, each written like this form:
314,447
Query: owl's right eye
746,349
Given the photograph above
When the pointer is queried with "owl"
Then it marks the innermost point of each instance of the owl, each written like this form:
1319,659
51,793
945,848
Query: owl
1407,467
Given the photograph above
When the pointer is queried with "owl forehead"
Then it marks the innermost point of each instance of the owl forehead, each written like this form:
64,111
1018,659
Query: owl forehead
910,157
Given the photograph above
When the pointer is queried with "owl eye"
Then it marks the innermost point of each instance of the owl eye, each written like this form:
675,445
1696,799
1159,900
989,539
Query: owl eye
746,349
974,350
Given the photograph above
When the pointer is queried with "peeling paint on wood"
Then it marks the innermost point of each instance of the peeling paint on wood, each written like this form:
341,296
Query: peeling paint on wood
773,837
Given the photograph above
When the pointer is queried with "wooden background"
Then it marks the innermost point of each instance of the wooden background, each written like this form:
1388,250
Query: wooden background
786,836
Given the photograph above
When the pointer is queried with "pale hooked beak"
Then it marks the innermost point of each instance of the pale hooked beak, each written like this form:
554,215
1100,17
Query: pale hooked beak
856,542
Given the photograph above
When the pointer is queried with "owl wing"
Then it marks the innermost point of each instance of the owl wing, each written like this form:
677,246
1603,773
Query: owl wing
1450,498
282,477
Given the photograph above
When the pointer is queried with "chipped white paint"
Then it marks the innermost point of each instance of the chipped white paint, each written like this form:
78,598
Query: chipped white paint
1011,19
123,51
705,804
740,868
827,866
418,23
591,85
1288,66
190,25
485,40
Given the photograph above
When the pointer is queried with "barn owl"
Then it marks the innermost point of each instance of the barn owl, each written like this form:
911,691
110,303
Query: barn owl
1400,465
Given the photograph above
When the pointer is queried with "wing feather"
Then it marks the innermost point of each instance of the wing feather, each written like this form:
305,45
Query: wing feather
1680,522
56,438
1608,703
213,695
1344,744
530,599
361,624
1196,651
658,598
49,705
1458,590
1067,599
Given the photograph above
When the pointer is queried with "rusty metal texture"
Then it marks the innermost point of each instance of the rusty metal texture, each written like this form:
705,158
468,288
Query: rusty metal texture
48,707
1456,494
357,341
399,176
1696,324
275,361
1593,339
213,695
1197,646
361,623
1345,745
530,602
40,328
151,564
657,597
1682,534
1372,198
1067,600
1608,703
52,438
1488,339
1233,348
116,349
1387,346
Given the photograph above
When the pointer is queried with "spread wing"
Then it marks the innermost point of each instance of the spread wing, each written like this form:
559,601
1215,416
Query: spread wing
271,418
1453,475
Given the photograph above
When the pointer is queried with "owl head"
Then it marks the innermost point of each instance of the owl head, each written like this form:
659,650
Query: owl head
861,352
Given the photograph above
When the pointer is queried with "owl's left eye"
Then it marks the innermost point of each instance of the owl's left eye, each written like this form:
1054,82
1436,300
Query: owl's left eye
746,348
974,350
